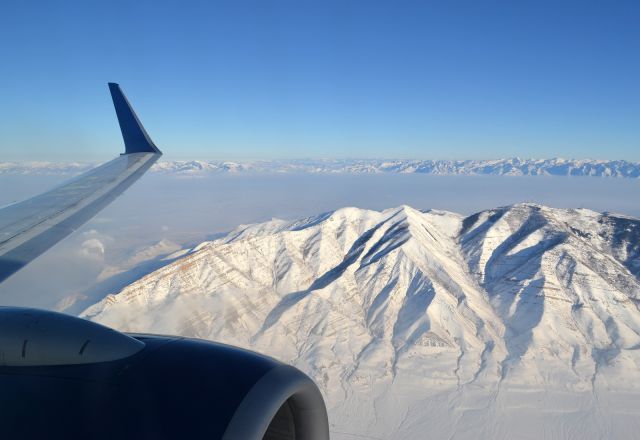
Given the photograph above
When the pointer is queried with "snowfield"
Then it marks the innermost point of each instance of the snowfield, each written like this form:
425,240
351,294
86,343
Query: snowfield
518,322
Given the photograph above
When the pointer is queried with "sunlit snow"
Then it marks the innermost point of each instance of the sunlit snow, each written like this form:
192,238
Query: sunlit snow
516,322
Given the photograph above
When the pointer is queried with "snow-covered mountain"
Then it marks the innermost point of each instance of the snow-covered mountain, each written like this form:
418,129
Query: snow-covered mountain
44,168
512,167
518,322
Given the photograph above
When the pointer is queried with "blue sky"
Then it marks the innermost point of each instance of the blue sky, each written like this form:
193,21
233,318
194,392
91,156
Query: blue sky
292,79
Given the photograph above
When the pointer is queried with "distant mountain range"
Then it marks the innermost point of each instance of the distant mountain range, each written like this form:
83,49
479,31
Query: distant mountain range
517,322
510,167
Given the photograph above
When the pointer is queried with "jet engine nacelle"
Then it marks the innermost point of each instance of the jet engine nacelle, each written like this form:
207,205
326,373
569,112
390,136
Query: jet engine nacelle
76,379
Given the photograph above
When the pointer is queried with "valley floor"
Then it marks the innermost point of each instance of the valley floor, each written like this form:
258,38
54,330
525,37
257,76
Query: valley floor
473,412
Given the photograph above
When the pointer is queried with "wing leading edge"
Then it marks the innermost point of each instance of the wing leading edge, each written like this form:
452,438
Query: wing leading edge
29,228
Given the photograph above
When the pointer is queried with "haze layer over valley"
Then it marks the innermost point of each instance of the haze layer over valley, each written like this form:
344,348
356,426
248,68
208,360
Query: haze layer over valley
515,322
167,212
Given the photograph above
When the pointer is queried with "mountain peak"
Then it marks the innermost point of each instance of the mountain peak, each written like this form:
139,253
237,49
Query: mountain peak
365,301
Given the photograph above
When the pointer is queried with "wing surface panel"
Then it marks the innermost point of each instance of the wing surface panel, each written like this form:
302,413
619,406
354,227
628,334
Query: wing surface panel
29,228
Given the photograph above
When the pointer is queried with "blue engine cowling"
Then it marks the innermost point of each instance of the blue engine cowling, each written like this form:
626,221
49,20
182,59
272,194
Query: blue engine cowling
149,387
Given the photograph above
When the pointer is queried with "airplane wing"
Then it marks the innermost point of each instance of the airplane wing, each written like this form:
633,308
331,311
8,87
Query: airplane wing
29,228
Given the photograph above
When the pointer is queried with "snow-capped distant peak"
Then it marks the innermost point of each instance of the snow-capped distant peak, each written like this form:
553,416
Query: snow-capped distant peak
506,167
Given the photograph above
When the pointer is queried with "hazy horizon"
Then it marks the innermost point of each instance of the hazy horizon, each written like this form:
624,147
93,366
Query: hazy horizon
169,157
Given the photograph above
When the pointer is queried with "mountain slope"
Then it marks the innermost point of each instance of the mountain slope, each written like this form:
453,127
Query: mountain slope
409,319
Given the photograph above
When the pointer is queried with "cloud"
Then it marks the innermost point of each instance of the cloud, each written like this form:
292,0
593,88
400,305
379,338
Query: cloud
92,248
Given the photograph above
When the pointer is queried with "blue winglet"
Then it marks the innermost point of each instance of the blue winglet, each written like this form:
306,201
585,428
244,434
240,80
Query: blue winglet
136,139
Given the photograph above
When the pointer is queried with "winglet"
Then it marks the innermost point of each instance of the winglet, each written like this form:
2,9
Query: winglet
136,139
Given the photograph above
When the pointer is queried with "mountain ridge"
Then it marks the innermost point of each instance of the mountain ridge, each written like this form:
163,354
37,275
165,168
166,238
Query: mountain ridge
508,166
380,304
